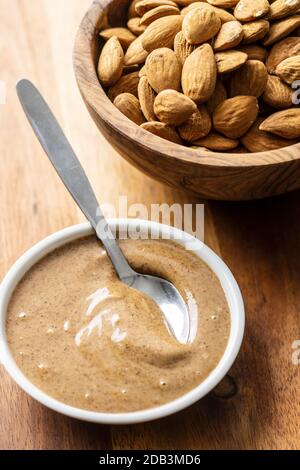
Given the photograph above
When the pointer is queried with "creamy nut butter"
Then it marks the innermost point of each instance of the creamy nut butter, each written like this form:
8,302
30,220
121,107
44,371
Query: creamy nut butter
90,341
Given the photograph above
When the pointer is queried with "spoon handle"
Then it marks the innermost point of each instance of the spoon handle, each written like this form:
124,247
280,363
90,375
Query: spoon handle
68,167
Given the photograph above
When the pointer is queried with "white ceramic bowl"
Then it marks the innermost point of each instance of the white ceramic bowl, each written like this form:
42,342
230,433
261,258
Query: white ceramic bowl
47,245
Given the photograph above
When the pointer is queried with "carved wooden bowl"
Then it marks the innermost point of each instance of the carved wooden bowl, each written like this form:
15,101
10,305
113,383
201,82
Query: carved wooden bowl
226,176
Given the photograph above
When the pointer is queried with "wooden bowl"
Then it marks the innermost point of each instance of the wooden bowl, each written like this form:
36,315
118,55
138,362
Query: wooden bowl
224,176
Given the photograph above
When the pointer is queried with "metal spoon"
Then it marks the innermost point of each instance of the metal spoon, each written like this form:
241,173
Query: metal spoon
64,160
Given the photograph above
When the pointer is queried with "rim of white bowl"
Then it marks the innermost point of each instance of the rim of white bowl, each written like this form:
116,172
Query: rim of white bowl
57,239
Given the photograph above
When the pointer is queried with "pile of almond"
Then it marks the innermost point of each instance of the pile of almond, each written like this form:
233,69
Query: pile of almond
219,75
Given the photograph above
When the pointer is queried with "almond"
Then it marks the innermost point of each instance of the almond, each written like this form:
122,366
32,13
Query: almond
281,29
282,8
129,105
228,61
251,79
281,51
163,70
229,36
277,94
143,6
256,140
161,32
146,96
123,34
162,130
158,12
251,10
255,31
285,124
289,69
219,95
235,116
198,125
135,26
217,142
182,48
200,24
135,53
127,83
222,14
172,107
199,74
254,52
110,66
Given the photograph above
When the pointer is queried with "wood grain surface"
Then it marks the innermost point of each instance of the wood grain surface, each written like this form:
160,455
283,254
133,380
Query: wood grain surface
260,241
225,176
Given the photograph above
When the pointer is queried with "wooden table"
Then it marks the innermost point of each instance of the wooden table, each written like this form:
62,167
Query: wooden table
260,241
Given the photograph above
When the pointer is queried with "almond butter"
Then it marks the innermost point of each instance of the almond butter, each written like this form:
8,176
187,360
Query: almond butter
235,116
199,74
172,107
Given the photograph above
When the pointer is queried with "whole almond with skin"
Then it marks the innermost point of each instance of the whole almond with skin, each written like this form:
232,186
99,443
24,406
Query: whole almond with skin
281,51
235,116
182,48
222,14
129,105
281,29
250,79
256,140
219,95
131,10
217,142
158,12
135,53
254,52
110,66
161,32
277,94
135,26
162,130
255,31
289,69
163,70
199,74
123,34
146,96
229,36
200,24
228,61
250,10
173,108
282,8
285,124
198,125
126,84
230,4
143,6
